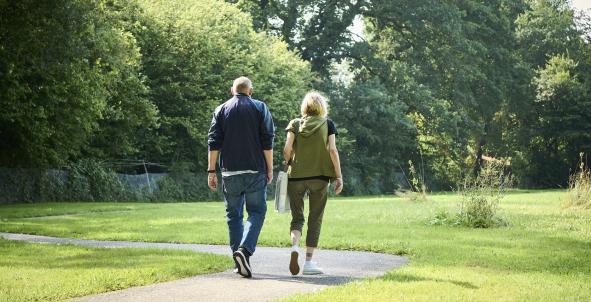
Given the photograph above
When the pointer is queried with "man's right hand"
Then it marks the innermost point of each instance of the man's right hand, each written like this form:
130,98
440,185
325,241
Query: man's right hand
269,177
212,181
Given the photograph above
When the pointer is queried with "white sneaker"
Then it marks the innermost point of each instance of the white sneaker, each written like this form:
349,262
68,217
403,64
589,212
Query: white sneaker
310,268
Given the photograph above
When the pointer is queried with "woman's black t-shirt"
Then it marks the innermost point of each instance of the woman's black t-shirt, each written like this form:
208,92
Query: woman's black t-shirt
331,128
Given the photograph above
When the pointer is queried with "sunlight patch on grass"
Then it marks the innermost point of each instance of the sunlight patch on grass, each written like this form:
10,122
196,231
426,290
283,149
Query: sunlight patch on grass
44,272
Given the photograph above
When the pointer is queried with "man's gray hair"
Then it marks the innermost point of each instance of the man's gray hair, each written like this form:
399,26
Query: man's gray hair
242,84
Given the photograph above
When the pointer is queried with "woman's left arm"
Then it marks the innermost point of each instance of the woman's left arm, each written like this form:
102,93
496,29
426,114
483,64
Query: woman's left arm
336,162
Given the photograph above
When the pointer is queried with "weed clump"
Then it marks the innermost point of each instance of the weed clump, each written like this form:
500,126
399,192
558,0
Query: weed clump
416,183
579,187
480,199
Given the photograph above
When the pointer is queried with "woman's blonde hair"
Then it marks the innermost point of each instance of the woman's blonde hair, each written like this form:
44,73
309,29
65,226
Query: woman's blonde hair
314,104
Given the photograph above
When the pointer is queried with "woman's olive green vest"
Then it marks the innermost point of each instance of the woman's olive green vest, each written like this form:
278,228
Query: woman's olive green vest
311,157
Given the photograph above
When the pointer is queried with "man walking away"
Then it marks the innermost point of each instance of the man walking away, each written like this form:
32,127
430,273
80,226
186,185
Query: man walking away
242,132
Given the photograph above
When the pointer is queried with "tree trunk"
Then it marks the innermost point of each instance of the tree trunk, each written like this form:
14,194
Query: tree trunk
478,159
479,151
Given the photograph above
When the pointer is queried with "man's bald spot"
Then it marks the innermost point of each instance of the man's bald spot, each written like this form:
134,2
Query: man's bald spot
242,85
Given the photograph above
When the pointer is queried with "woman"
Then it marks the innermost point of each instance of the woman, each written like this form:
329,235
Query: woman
312,153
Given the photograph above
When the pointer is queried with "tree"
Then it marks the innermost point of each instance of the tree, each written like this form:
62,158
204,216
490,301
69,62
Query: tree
375,132
65,71
459,58
318,30
549,126
192,50
562,127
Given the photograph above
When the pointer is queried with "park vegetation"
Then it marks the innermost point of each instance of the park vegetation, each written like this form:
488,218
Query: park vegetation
448,84
579,186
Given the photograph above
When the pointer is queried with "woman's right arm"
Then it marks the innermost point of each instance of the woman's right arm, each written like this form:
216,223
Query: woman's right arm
288,149
336,162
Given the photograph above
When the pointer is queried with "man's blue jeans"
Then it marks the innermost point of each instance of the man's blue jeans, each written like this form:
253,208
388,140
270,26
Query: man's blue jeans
241,189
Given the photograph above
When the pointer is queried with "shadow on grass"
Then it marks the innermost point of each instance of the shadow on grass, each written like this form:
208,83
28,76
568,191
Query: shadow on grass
398,277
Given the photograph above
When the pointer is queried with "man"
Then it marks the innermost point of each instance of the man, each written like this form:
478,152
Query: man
242,132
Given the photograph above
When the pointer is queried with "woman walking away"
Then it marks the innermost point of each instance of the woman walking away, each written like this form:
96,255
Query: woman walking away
312,154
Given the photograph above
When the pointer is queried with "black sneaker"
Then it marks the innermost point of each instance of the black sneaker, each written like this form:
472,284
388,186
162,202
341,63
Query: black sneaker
242,262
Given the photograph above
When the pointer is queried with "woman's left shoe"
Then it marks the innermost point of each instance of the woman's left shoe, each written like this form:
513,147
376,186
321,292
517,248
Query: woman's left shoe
310,268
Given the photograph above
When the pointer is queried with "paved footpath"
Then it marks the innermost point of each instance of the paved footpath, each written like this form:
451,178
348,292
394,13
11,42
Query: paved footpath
271,278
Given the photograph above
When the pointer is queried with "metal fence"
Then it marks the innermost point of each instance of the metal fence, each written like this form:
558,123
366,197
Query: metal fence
37,185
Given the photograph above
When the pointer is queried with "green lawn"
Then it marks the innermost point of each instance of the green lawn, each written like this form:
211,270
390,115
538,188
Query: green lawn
46,272
32,210
543,255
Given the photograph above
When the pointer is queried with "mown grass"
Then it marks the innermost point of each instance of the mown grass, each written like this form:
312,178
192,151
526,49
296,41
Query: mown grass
65,208
44,272
543,254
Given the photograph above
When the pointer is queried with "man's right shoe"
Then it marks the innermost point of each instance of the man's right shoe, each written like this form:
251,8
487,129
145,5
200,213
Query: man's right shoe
294,266
241,259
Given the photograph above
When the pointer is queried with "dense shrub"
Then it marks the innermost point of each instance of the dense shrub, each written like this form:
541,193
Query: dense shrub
86,180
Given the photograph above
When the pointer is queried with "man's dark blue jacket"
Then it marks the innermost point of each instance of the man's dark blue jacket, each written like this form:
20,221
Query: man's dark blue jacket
241,129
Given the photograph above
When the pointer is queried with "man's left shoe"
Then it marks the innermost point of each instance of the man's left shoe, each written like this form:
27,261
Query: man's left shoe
241,259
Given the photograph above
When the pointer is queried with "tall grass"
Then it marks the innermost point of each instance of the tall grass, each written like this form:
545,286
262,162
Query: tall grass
418,188
481,196
579,187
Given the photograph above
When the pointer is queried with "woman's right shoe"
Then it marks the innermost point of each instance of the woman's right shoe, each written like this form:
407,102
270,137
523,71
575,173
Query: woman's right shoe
310,268
294,266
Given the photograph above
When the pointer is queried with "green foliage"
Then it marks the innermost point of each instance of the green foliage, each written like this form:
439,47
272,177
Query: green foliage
481,196
480,199
183,185
550,125
442,217
88,180
317,29
447,83
168,190
417,182
558,127
416,179
67,69
579,186
127,79
378,135
547,29
466,72
192,51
